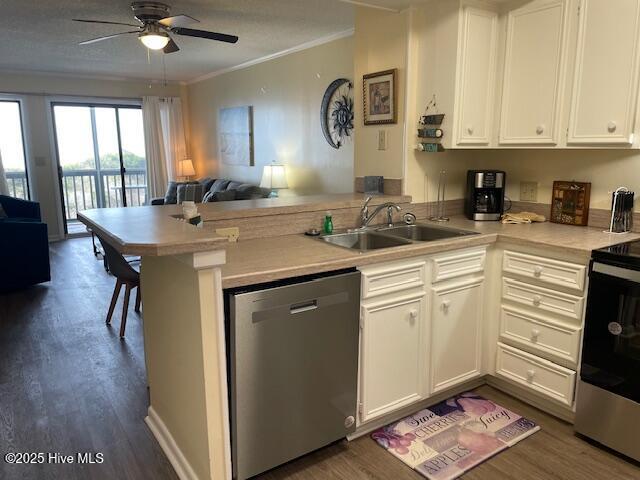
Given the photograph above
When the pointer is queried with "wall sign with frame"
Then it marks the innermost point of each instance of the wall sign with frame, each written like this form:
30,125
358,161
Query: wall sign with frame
379,92
570,203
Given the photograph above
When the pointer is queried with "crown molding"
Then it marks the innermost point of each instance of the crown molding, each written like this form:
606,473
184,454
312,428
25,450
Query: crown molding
361,3
272,56
88,76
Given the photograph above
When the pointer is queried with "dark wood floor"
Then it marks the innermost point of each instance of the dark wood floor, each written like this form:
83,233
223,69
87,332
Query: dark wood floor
68,384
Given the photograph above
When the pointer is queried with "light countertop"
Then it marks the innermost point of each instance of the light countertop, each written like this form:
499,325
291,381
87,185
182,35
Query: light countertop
155,230
268,259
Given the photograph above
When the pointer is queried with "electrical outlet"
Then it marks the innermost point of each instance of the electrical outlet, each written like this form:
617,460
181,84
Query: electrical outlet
382,139
528,191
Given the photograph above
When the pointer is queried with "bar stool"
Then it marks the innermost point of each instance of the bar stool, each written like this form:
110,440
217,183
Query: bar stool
125,275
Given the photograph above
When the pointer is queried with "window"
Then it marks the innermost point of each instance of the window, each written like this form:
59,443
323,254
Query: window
12,149
102,156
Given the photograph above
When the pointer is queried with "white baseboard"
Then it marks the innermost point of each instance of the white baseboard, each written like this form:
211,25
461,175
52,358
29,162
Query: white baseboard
55,238
169,446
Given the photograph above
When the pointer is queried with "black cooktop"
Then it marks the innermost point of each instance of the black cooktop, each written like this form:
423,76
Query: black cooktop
622,254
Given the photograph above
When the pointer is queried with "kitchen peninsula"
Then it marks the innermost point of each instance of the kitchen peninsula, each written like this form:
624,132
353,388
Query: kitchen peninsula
185,269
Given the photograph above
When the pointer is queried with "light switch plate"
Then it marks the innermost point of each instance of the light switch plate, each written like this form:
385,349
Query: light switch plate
382,139
528,191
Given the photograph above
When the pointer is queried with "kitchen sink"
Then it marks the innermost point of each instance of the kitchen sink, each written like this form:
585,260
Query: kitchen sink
424,233
394,236
364,241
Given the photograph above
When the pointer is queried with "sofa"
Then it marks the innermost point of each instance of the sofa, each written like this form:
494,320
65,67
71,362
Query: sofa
24,244
210,190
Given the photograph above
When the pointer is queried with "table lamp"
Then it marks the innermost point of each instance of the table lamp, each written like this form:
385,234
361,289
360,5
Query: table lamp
274,177
185,169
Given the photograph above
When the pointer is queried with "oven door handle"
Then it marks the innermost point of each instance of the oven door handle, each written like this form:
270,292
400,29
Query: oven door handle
617,272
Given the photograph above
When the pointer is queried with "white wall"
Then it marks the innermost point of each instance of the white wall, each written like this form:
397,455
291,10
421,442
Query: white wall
286,94
34,90
380,44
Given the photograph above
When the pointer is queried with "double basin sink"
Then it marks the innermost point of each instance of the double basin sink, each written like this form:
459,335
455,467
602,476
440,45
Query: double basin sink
392,236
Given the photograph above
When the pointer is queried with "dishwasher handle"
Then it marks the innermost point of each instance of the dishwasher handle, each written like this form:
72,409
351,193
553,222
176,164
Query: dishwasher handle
303,307
280,310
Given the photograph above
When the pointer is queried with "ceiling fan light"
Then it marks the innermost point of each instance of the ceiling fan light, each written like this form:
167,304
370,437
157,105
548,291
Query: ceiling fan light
154,40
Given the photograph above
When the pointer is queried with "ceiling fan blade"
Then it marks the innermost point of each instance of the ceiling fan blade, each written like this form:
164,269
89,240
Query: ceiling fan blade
171,47
178,21
99,39
102,21
190,32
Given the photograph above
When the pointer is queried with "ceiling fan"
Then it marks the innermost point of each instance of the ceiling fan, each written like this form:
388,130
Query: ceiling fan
154,26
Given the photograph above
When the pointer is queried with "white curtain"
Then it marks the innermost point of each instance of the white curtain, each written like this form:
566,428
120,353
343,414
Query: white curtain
164,141
4,187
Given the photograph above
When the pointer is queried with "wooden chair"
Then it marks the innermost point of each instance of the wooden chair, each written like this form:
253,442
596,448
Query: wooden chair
125,275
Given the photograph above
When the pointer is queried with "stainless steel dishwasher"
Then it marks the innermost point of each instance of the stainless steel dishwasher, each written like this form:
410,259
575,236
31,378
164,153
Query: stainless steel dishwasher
293,361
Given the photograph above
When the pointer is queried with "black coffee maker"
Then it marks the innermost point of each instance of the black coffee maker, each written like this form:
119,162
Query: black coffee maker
484,199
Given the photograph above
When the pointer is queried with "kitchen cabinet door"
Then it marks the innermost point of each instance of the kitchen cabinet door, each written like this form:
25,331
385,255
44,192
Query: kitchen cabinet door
534,72
476,76
392,354
456,334
606,73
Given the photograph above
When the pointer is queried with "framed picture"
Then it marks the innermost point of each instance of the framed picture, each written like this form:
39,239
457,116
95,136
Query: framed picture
235,130
570,203
379,90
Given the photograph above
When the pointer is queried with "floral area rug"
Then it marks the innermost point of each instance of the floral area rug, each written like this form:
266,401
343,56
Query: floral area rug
446,440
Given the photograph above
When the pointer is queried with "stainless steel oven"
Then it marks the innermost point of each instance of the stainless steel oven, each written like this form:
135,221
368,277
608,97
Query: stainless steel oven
608,399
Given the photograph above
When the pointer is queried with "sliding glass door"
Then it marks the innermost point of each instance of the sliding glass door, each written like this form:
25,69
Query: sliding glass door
12,149
101,157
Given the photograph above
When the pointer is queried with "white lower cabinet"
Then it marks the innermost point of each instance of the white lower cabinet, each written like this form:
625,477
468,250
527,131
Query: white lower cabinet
418,338
427,321
392,354
456,333
536,374
541,327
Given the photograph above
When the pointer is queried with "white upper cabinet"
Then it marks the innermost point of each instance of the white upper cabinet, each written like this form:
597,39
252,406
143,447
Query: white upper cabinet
605,84
534,71
476,76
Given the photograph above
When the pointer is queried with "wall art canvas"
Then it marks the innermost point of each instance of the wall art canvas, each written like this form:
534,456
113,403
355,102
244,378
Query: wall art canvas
446,440
235,135
379,91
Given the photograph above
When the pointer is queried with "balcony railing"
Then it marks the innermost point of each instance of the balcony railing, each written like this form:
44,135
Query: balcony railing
85,189
17,183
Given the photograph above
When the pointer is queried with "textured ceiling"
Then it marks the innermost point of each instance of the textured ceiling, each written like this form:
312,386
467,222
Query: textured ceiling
38,35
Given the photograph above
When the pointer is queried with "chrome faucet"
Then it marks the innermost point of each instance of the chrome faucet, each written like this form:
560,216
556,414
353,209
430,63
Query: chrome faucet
365,218
364,211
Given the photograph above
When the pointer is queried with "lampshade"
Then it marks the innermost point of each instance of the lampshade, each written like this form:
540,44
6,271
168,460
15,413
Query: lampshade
185,168
274,177
154,40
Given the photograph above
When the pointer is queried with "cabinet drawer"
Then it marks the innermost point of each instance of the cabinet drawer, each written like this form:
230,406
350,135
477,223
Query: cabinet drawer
546,270
457,264
543,299
392,277
535,373
540,335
